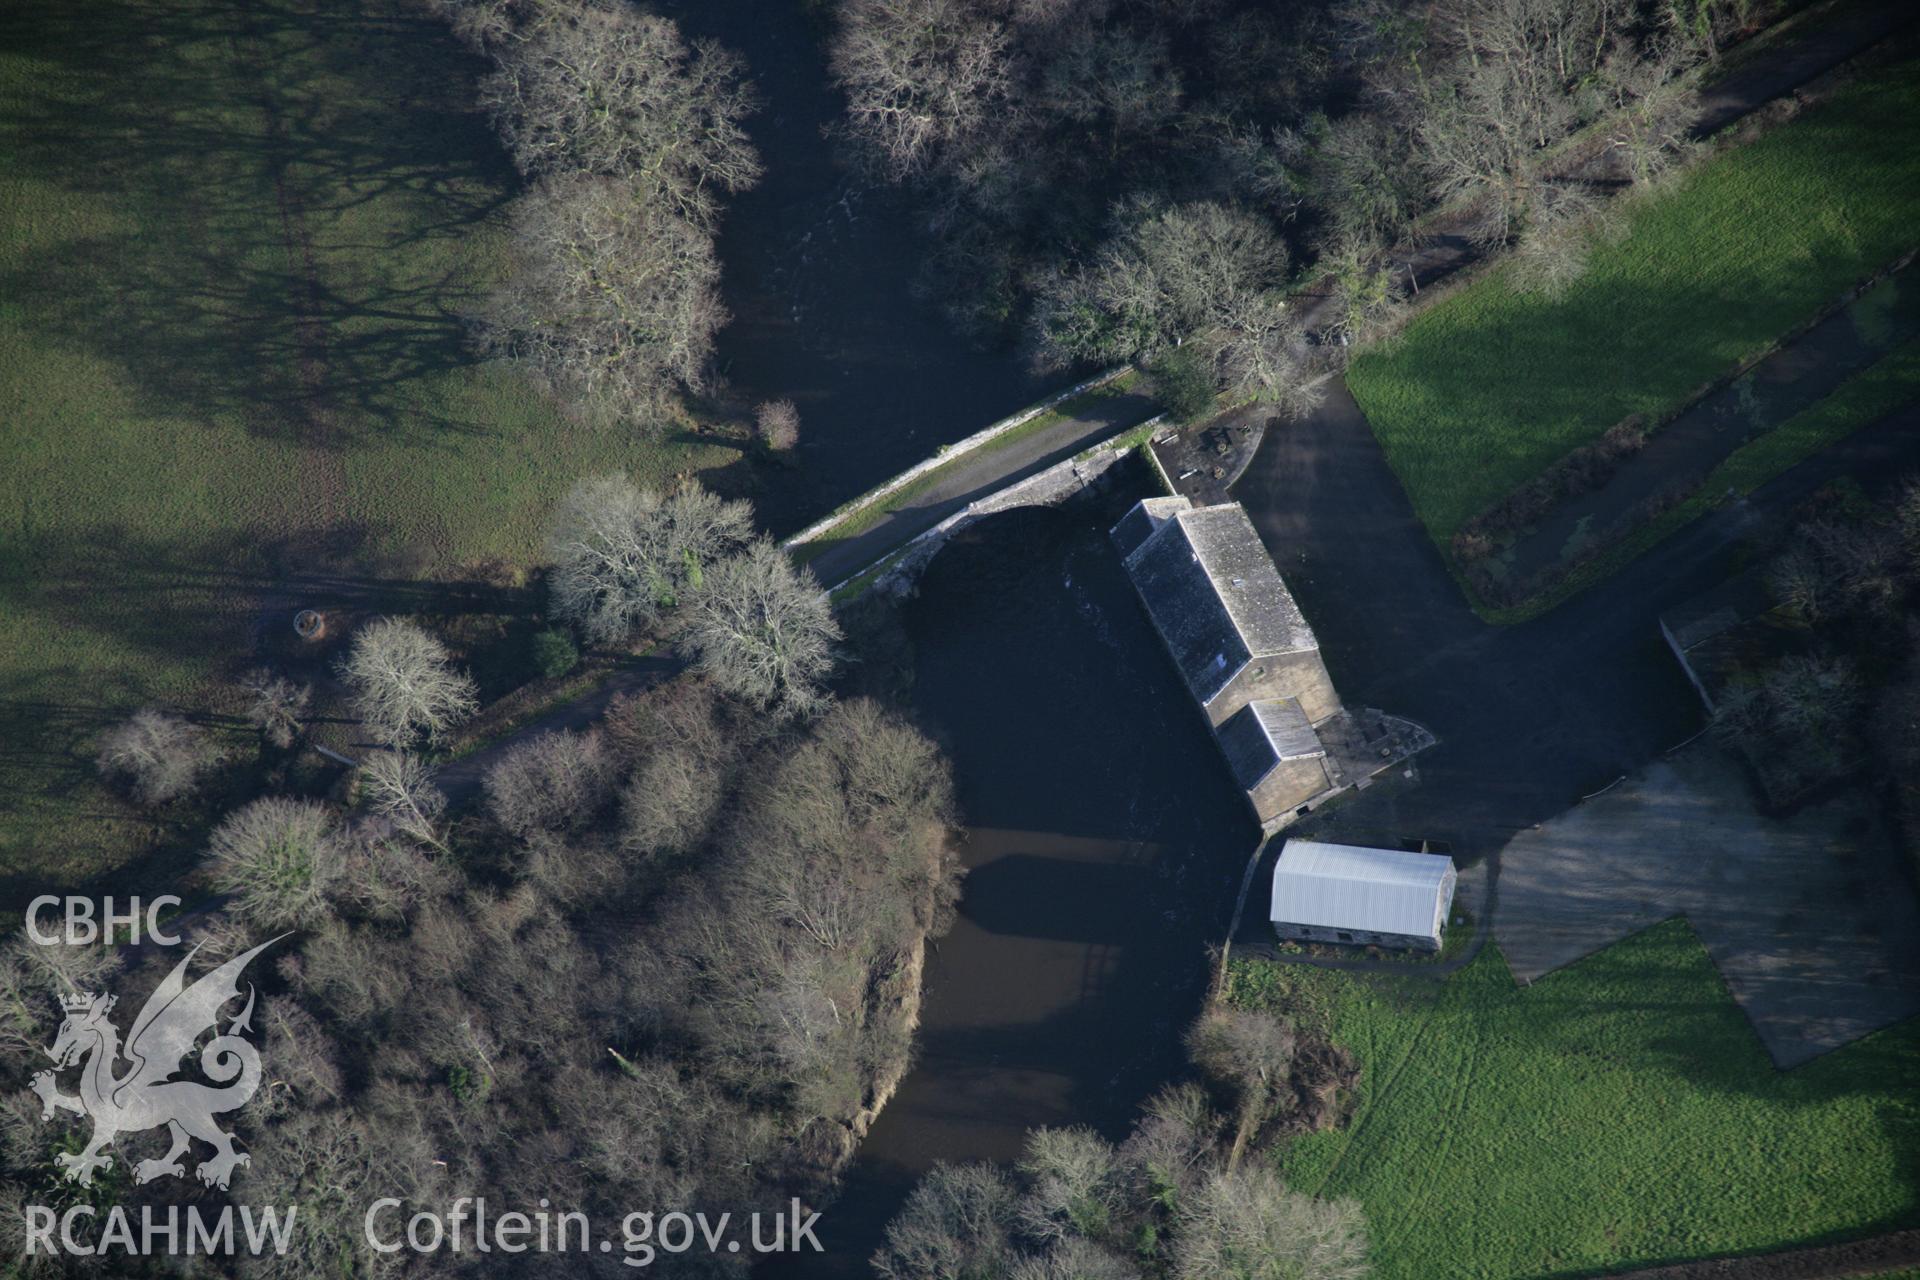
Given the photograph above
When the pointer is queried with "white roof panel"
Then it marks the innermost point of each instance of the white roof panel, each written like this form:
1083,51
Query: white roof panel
1341,886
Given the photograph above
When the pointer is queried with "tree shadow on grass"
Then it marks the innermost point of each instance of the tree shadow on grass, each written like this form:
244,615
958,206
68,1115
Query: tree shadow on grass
301,187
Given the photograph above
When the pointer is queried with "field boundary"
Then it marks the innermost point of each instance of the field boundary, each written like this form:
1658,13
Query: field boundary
1550,583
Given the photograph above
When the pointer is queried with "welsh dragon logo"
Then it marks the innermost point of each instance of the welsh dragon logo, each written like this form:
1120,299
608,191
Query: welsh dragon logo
144,1096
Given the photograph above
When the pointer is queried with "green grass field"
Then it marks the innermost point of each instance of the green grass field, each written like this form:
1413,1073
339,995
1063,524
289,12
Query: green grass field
1865,398
235,245
1490,386
1618,1112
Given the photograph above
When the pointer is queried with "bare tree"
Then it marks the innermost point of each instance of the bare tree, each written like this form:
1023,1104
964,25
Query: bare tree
671,802
1475,149
33,975
624,557
956,1223
1262,358
400,788
764,630
921,76
778,424
1801,583
1073,1184
612,90
552,782
278,858
1075,1259
389,878
404,685
1173,1141
275,705
1701,25
613,299
1171,273
1562,226
157,756
493,26
1653,112
1114,79
1247,1223
1367,295
1362,180
1248,1052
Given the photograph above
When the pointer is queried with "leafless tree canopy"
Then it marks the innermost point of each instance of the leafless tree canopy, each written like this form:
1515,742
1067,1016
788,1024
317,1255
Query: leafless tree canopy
1171,273
403,684
633,137
554,782
1246,1223
612,91
1249,1055
920,76
1204,273
1161,1206
778,423
614,300
400,788
279,858
764,630
275,705
624,557
157,756
1838,700
1023,124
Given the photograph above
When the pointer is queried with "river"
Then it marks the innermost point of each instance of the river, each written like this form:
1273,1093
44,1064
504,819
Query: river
1105,842
1105,847
817,268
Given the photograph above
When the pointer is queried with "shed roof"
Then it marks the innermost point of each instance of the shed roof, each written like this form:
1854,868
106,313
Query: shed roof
1341,886
1215,597
1262,734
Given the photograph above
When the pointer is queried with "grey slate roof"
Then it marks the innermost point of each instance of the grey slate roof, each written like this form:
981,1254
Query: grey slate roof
1148,514
1339,886
1215,597
1263,733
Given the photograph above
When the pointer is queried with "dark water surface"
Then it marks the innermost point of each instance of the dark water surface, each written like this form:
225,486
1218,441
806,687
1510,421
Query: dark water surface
1106,843
816,270
1106,847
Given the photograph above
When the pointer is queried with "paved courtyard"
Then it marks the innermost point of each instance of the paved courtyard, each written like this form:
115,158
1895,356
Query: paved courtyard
1810,920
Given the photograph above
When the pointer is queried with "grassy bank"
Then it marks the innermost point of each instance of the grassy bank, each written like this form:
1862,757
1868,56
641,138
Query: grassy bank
235,244
1490,386
1890,383
1620,1111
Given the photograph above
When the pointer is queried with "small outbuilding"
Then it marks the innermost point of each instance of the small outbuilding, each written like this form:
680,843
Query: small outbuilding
1347,893
1275,756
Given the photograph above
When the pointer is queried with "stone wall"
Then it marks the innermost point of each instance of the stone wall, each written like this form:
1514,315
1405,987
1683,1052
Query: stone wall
1357,937
1055,484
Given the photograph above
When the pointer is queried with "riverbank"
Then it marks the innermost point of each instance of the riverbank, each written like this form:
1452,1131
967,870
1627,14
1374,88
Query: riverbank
1104,844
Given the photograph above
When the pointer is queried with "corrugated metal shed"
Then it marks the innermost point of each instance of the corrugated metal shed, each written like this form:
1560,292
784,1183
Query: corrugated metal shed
1262,734
1214,595
1341,886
